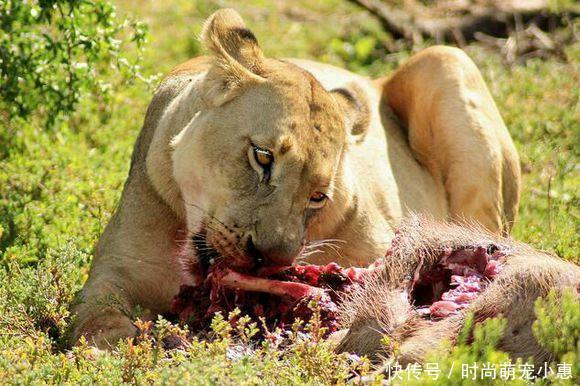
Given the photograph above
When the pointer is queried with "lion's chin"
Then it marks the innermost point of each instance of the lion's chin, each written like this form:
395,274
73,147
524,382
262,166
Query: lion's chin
233,258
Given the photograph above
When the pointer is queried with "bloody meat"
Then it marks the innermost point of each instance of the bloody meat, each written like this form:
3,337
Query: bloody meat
280,295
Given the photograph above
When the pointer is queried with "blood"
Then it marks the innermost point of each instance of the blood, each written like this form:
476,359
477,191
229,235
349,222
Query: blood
279,295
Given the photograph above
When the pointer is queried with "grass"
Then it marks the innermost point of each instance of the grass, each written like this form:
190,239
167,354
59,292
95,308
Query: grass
58,189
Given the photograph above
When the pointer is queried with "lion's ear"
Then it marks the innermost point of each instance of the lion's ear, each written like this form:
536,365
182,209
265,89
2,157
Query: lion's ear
238,57
355,106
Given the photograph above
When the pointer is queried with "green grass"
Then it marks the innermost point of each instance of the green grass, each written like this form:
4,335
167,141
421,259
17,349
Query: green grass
58,189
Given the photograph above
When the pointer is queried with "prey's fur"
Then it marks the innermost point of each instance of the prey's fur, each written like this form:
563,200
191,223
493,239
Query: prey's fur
384,307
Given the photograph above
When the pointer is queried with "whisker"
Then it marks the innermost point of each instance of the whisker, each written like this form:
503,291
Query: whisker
334,248
206,248
325,241
308,254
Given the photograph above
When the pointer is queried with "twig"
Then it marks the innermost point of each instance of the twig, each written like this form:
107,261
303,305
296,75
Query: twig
415,26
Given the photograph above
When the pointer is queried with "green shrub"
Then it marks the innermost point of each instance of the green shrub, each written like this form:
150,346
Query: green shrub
54,51
227,358
558,330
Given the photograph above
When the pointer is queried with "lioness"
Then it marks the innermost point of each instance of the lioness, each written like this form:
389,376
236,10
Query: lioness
259,160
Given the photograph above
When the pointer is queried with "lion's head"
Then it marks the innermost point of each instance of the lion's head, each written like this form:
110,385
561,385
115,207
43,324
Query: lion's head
257,166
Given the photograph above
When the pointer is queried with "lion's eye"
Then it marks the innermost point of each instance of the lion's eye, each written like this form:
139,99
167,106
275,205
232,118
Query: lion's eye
263,157
317,200
261,161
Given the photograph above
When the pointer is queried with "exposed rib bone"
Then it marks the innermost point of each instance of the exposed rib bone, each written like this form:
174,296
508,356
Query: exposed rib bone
235,280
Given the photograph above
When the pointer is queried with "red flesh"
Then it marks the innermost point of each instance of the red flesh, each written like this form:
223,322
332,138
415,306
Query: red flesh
464,273
279,294
282,294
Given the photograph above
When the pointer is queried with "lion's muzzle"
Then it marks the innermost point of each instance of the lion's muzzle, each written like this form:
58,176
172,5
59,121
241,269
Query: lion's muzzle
278,251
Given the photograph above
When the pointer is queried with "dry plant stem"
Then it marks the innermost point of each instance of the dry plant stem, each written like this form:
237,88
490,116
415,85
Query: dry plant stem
414,26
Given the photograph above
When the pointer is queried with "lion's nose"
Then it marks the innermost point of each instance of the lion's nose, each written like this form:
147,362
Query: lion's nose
271,255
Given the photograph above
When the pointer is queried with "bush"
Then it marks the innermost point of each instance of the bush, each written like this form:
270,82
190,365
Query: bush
54,51
558,329
481,361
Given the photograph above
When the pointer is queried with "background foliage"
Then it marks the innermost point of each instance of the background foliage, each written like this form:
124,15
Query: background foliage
53,52
61,173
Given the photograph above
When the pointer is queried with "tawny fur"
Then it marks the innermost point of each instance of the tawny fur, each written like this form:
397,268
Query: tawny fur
329,129
383,307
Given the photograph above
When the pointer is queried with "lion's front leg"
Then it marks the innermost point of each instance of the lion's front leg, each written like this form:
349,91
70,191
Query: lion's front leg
456,132
102,314
118,286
